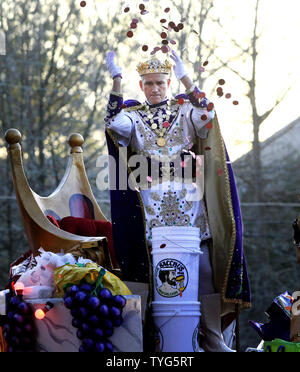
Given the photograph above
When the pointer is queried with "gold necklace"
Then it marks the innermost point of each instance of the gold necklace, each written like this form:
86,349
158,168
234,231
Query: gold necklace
163,123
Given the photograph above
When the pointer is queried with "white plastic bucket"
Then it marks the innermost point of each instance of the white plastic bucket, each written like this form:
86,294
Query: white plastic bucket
177,326
175,256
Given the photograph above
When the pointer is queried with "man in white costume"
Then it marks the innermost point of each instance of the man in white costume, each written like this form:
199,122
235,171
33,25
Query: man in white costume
163,128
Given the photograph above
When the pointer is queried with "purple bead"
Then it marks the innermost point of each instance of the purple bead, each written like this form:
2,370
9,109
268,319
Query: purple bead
86,287
80,296
74,313
76,323
119,301
18,318
98,333
88,343
15,341
10,315
117,322
109,347
15,301
107,324
109,332
93,302
99,347
27,327
82,349
114,312
85,328
23,308
93,320
68,301
103,310
18,331
79,334
82,312
105,294
73,290
26,341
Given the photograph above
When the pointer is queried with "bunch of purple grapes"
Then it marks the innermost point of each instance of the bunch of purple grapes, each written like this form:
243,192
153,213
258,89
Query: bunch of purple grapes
18,326
95,315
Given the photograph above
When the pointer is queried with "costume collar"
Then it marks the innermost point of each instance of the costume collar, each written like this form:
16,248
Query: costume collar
157,104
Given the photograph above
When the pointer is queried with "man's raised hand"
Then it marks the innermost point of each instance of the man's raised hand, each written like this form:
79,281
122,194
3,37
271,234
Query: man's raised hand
113,69
178,68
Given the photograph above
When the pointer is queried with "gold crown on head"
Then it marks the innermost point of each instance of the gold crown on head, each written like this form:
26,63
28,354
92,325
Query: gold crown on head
153,66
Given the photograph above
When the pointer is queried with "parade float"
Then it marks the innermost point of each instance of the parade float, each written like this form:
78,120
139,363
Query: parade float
65,294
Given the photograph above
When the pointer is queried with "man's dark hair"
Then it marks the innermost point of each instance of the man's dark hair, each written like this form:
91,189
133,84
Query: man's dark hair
163,275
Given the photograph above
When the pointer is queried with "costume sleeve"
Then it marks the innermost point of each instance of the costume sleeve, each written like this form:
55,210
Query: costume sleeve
114,106
200,113
122,127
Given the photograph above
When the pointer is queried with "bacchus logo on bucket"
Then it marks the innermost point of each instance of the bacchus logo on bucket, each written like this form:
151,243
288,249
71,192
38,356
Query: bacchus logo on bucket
171,277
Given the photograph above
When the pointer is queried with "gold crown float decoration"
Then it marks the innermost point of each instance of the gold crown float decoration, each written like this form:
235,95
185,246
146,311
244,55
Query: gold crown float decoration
153,66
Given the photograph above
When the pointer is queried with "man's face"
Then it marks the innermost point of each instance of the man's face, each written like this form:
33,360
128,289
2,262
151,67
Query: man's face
155,87
172,278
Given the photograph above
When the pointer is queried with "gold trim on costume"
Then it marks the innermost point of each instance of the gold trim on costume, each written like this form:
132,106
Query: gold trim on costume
228,200
116,94
141,107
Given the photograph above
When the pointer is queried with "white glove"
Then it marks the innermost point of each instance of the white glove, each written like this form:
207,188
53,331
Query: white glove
113,69
178,68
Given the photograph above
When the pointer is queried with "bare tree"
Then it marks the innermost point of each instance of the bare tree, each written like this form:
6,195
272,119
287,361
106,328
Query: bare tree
251,53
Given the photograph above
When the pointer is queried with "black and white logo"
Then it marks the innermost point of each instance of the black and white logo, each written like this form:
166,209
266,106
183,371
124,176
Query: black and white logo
171,277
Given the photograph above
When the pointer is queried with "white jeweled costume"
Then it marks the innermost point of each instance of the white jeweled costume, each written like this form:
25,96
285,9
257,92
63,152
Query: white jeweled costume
171,129
166,204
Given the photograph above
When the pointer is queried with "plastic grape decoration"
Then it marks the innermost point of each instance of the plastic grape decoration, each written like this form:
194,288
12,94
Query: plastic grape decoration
95,312
18,326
